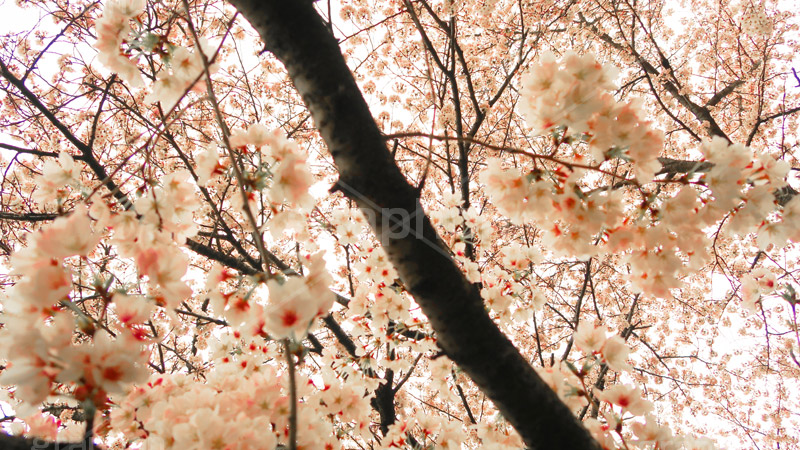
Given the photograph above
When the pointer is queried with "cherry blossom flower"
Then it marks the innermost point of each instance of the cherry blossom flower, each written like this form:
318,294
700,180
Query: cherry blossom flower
132,309
568,96
164,264
615,353
209,164
589,337
348,229
184,74
257,135
55,177
291,308
113,29
754,285
564,383
42,426
171,206
68,236
291,182
651,433
106,363
38,293
629,398
601,432
33,369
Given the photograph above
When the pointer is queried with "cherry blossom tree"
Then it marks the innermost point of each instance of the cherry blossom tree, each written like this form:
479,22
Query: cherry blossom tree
404,224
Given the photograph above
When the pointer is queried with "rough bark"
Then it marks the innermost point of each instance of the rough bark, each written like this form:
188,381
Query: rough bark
295,34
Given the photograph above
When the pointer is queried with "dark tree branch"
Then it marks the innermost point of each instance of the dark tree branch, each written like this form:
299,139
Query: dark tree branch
383,402
767,119
450,74
220,257
672,167
465,403
780,114
27,150
724,93
96,120
784,194
27,217
675,166
295,33
587,276
410,371
86,151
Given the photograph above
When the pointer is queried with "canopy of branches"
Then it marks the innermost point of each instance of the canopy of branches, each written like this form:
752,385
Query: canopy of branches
403,224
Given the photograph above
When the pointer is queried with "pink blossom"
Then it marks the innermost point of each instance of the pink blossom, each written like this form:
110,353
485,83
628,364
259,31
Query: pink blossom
68,236
615,353
112,30
629,398
590,338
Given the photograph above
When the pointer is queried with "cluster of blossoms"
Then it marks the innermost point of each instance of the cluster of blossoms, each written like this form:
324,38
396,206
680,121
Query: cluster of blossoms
463,227
280,178
575,99
517,196
450,435
572,219
448,216
183,68
244,403
290,177
755,284
565,93
740,189
741,183
573,94
509,299
114,29
648,434
618,404
38,337
348,225
661,240
170,207
661,243
293,303
48,427
50,359
381,309
451,216
152,234
755,21
185,72
46,360
243,399
593,339
56,177
375,265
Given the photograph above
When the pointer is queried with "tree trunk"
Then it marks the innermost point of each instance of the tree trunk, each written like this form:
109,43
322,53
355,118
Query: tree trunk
295,33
